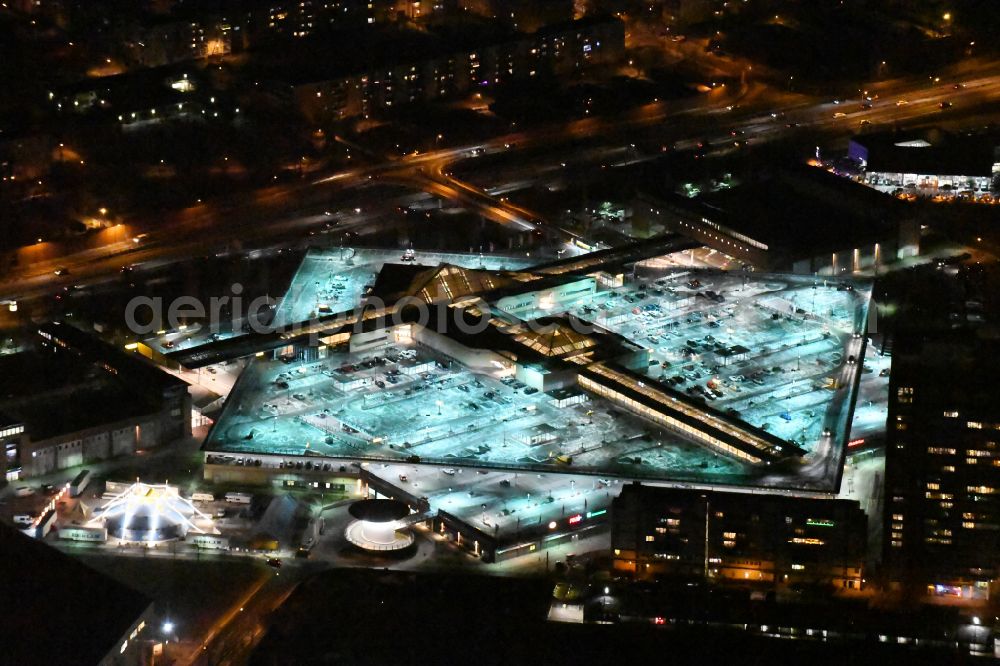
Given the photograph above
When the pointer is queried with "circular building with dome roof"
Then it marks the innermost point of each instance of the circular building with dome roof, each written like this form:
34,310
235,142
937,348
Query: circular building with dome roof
379,525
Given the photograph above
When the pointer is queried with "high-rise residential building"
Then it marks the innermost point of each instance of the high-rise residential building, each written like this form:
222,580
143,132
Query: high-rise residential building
942,508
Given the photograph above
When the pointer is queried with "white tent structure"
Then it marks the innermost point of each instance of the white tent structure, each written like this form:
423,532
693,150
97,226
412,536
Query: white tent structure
150,513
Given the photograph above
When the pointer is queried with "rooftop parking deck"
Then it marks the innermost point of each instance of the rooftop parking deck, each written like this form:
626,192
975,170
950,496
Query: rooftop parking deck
772,351
443,415
334,280
329,281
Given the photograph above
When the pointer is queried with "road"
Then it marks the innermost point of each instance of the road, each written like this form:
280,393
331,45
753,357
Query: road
234,635
291,209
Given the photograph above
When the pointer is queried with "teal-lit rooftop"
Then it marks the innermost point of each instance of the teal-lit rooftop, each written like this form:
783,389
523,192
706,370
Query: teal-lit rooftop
779,354
333,280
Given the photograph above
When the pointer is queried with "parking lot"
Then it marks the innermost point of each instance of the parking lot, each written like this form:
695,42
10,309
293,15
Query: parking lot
771,351
333,280
330,281
400,405
776,351
351,407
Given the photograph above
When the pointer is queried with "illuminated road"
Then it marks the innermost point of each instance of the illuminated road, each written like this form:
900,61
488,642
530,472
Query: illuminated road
760,115
232,637
290,209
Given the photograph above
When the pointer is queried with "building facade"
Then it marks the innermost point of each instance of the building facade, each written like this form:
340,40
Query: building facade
562,49
738,537
12,440
942,509
130,405
805,221
929,162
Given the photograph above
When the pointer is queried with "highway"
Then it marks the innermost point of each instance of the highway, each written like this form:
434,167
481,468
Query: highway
289,210
896,104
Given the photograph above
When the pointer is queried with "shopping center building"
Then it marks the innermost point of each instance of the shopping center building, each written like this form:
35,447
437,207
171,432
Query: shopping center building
929,162
613,369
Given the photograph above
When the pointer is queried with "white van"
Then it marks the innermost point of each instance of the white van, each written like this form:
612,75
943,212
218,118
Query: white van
238,498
